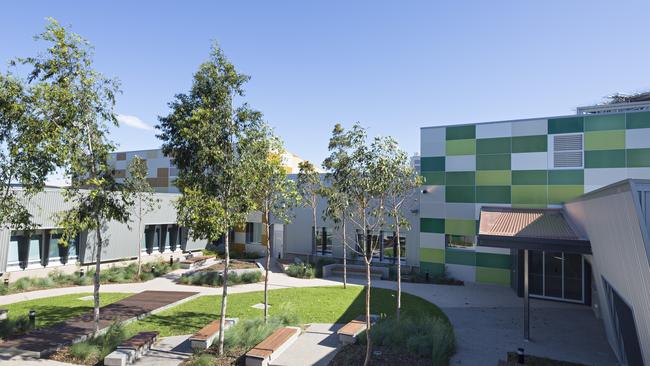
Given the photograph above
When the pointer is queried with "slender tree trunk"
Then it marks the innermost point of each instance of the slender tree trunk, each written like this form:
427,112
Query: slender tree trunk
268,264
224,295
98,259
345,257
313,234
368,346
139,237
399,272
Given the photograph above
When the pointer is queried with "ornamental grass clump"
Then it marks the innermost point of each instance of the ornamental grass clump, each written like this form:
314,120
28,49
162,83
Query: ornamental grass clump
247,333
300,270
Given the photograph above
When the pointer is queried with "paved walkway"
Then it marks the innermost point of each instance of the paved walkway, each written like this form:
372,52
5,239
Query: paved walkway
315,346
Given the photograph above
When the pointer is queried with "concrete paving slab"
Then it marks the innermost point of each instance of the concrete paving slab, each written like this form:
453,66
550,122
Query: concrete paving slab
317,345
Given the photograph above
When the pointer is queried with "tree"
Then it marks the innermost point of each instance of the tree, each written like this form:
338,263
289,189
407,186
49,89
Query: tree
79,101
214,146
338,166
403,181
143,195
362,178
337,211
275,194
309,188
29,139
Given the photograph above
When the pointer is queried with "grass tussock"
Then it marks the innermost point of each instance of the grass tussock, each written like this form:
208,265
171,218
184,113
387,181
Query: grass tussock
214,278
300,270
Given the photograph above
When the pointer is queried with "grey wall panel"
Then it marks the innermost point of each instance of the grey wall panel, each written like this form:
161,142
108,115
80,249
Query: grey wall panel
619,255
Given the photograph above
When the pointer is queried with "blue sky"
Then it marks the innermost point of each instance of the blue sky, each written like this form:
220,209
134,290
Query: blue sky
393,66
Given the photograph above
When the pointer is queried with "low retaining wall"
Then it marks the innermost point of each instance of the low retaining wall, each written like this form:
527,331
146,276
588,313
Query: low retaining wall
374,271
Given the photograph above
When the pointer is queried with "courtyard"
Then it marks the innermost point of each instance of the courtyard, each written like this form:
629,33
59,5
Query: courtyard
486,319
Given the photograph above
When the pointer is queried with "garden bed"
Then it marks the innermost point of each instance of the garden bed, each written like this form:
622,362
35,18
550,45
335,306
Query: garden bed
239,272
531,360
234,264
115,274
354,354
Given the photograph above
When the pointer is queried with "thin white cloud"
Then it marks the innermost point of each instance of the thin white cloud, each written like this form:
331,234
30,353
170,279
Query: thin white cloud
133,121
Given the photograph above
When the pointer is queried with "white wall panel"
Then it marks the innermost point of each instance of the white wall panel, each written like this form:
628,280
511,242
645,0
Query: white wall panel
491,130
637,138
460,163
530,128
529,161
461,272
432,141
432,240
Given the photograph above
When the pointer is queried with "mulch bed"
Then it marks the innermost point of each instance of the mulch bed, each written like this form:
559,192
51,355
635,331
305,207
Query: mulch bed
234,264
231,357
354,354
64,355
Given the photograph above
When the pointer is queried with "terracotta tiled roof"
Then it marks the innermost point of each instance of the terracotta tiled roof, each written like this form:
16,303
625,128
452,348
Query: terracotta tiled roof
526,223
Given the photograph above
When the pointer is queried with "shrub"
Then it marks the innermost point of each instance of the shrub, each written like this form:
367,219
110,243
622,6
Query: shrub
14,325
23,284
203,360
300,270
251,277
85,351
249,332
214,278
83,280
425,337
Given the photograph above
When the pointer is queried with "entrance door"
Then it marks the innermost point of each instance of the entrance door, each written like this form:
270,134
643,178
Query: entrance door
556,275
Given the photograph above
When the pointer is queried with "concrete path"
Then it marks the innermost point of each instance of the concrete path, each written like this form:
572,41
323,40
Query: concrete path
168,351
315,346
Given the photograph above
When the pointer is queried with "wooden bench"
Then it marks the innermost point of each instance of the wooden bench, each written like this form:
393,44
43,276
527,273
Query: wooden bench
349,332
270,348
193,262
132,349
203,338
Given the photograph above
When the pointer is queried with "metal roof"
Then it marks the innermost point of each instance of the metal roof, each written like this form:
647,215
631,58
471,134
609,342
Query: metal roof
529,228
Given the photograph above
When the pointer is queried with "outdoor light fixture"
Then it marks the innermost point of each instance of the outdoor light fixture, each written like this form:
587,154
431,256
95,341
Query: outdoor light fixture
32,318
171,260
81,272
520,356
6,282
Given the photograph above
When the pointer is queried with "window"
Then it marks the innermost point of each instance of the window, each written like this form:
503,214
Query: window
54,246
13,258
390,246
253,233
459,241
35,249
323,240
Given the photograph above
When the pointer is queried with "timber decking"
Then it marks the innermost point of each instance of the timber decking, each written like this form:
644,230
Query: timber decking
43,341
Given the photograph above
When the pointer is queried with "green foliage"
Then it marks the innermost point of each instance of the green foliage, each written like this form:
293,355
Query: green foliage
300,270
424,336
249,332
97,348
204,359
214,278
14,325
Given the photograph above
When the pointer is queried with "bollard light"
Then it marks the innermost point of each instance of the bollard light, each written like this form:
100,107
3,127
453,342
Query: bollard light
171,260
427,276
81,272
32,318
7,282
520,356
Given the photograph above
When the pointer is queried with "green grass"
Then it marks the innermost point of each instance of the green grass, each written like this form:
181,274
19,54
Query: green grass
56,309
311,304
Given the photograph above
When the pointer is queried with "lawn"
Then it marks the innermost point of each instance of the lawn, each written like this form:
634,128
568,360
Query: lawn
313,305
51,310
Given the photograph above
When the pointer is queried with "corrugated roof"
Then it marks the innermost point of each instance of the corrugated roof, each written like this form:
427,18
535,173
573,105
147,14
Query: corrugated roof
526,223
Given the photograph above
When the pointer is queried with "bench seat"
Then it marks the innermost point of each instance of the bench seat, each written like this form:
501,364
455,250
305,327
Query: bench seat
349,332
191,262
130,350
205,337
270,348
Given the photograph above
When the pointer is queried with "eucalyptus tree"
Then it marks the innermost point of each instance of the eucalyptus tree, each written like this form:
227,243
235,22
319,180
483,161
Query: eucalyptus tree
362,178
337,211
402,182
275,194
309,187
78,101
136,178
214,144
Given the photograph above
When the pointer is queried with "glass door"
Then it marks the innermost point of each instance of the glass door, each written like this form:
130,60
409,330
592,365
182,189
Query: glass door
556,275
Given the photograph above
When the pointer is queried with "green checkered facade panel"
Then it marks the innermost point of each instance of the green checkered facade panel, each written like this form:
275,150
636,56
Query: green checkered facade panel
512,164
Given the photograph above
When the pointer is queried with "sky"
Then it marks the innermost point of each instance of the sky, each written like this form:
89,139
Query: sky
392,66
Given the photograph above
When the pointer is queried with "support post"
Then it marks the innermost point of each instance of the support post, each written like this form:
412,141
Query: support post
526,299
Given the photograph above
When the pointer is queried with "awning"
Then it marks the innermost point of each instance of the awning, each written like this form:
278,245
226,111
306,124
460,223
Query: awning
545,229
